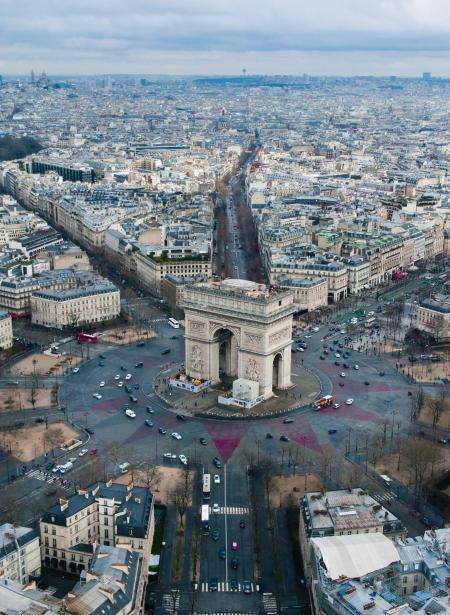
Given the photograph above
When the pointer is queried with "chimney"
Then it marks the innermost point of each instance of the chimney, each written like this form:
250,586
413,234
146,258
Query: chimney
64,504
109,482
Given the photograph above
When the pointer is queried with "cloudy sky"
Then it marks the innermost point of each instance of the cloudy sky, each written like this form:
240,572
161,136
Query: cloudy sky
341,37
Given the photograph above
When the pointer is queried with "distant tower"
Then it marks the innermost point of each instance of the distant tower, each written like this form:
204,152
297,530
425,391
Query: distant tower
244,72
33,78
426,76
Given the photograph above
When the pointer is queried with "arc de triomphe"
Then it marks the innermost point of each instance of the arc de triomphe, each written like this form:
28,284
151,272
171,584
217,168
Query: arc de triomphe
239,329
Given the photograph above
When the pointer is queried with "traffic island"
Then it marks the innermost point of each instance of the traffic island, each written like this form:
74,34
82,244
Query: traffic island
206,402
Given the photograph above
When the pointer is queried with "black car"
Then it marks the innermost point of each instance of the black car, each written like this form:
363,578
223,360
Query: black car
181,417
366,382
101,356
162,430
288,420
234,585
332,431
140,364
149,423
337,363
140,344
165,351
123,368
216,461
242,524
284,439
215,534
246,587
90,431
235,563
213,584
149,409
269,436
222,554
203,441
133,399
39,419
341,384
128,389
322,358
346,365
101,364
381,374
49,465
174,337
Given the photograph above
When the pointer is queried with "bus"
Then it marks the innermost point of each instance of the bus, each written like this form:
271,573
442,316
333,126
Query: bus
86,337
205,519
174,323
325,401
206,486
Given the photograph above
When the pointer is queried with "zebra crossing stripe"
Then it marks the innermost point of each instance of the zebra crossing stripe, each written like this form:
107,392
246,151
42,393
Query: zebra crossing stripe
223,586
231,510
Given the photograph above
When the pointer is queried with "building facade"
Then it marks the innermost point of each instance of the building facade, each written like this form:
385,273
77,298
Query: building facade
20,553
6,331
75,307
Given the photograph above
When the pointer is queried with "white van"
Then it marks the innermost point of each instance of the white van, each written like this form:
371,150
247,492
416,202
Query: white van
123,467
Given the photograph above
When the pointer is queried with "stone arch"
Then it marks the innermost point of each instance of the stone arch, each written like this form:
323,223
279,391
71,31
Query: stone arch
225,344
277,370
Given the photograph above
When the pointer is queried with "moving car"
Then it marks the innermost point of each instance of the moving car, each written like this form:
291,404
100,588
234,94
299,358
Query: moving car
82,452
246,587
288,420
213,584
216,479
128,377
215,507
102,383
76,370
123,467
234,545
332,431
216,461
162,431
170,456
242,524
97,396
222,554
235,563
130,413
234,585
203,441
349,401
342,374
181,417
150,410
284,438
140,364
215,534
117,377
183,459
175,435
356,367
269,436
89,430
149,423
120,383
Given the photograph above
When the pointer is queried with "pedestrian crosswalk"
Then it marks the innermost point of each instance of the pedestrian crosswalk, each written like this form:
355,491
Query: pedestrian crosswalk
49,478
171,602
230,510
387,496
270,604
226,613
223,586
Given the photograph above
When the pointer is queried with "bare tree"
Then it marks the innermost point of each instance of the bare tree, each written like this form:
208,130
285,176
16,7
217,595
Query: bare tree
420,458
438,406
182,493
53,437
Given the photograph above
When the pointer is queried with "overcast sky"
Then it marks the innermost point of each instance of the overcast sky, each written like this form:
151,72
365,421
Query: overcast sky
340,37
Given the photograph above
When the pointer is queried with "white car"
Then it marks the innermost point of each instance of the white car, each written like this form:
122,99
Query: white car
215,507
349,401
82,452
102,383
356,367
217,479
117,377
175,435
300,349
131,413
370,313
183,459
169,456
120,384
97,396
128,377
337,355
315,329
336,406
76,370
343,331
342,374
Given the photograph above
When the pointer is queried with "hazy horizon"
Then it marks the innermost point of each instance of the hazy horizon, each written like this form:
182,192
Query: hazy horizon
198,37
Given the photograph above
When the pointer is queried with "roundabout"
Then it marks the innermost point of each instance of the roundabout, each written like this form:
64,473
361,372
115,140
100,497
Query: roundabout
383,400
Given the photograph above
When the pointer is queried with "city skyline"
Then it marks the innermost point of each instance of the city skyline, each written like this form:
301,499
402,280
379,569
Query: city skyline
80,38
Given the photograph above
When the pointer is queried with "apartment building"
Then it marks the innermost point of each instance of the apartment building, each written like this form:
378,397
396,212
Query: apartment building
111,585
433,316
106,513
151,270
334,272
309,293
6,331
20,553
75,307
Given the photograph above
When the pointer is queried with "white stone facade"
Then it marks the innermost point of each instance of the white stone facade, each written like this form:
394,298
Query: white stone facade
6,331
239,329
